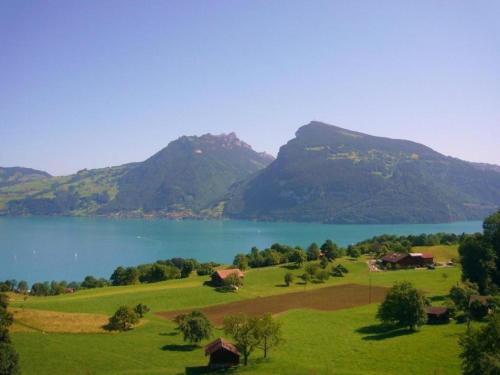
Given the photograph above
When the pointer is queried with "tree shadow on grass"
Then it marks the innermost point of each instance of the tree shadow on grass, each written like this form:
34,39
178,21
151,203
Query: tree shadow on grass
179,348
437,298
281,285
173,333
377,332
207,370
290,266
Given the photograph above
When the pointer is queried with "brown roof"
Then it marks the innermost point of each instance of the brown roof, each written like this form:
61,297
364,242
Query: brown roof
225,273
436,310
394,257
218,344
483,299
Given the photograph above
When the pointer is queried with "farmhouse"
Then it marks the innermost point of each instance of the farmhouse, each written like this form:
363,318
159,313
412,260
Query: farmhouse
222,354
437,315
403,260
219,276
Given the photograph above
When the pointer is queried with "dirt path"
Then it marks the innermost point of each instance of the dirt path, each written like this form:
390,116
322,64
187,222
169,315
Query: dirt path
325,299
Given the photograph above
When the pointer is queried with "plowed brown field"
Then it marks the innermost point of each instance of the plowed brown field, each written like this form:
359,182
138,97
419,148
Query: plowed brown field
325,299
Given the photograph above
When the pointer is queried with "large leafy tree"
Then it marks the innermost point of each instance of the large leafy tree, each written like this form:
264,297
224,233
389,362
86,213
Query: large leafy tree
491,230
245,332
194,326
269,332
404,306
478,260
9,360
481,349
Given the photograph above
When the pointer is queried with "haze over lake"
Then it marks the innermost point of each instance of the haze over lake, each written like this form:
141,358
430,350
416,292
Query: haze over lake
57,248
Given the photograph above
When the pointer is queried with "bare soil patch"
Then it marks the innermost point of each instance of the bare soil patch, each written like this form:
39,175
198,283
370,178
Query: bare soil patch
325,299
26,320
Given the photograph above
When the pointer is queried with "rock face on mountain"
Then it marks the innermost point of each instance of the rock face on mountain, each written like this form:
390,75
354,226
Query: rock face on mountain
179,181
330,174
16,175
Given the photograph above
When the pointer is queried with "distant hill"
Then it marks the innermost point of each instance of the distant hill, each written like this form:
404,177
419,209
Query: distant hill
179,181
16,175
334,175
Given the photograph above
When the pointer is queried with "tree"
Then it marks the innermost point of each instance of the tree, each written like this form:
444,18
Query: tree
233,281
404,305
477,258
460,295
241,261
125,276
322,275
330,250
205,269
269,333
298,257
22,286
123,319
481,349
141,310
187,267
324,262
288,278
194,326
305,278
491,230
245,332
9,360
313,251
478,310
40,289
353,252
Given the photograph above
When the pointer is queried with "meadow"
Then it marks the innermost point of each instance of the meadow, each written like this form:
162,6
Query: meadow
347,341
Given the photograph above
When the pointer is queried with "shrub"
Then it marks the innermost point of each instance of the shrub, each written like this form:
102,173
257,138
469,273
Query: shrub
194,326
123,319
288,278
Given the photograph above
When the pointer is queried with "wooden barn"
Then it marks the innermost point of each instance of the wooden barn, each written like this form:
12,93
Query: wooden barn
410,260
219,276
222,354
437,315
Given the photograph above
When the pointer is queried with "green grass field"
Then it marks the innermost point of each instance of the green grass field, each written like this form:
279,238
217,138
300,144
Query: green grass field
338,342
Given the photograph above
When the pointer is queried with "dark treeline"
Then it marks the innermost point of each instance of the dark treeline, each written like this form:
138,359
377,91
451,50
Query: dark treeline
280,254
161,270
387,243
378,245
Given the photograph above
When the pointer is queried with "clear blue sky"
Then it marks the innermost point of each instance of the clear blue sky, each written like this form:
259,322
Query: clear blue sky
99,83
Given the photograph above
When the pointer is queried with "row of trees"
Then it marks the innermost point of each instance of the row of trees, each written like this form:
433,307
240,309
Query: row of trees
146,273
161,270
281,254
9,359
249,333
386,243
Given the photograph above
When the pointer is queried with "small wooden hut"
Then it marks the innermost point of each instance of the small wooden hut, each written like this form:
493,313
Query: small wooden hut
219,276
222,354
437,315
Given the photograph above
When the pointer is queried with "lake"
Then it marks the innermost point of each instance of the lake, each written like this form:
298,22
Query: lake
69,248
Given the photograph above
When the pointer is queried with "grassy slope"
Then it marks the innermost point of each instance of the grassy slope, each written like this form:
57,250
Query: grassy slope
316,342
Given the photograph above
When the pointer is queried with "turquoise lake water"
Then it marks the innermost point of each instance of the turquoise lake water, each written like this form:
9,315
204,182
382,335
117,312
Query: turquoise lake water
65,248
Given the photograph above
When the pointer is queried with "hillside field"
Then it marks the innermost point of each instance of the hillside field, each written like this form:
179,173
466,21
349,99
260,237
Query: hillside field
347,341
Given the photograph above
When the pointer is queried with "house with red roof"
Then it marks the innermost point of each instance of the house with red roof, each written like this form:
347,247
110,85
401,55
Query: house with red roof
219,276
406,260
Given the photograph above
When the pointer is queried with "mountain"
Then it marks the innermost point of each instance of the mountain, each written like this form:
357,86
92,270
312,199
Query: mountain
16,175
187,175
178,181
329,174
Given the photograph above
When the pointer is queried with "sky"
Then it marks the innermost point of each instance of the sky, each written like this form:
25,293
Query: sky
88,84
